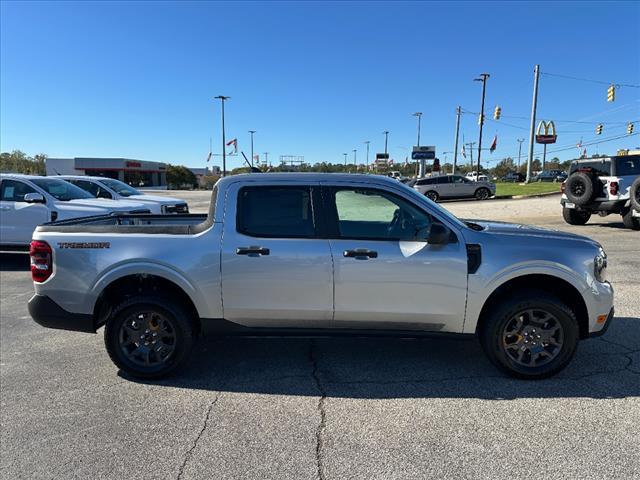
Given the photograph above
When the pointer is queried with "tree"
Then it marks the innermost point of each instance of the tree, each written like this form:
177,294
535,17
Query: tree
179,176
19,162
503,167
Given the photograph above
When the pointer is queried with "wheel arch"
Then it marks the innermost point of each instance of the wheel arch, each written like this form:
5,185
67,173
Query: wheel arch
551,284
125,286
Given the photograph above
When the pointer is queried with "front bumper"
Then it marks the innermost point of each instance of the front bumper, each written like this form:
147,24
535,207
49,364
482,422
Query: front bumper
49,314
605,327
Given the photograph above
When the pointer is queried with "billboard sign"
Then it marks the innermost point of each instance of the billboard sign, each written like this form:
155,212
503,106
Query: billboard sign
546,132
423,153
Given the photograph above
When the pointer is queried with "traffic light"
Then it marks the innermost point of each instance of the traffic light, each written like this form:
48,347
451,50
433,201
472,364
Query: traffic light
496,113
611,93
629,128
599,129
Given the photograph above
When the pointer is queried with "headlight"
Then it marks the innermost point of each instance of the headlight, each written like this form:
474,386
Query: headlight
600,266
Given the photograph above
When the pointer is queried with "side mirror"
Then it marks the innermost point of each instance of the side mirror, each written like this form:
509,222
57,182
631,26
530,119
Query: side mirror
34,198
438,234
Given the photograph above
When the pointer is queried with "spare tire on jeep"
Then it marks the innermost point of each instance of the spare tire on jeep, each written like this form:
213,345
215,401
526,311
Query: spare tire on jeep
635,195
579,188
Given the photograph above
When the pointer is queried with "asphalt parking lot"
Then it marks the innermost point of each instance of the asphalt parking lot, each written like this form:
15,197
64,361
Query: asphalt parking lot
325,408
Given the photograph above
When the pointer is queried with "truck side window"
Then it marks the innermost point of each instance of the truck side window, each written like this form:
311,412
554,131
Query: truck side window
377,215
282,212
14,191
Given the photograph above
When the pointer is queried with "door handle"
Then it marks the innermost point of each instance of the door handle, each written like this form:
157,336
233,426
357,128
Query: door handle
360,254
252,251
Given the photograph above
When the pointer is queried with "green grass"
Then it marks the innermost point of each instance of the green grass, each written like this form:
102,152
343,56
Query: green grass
530,189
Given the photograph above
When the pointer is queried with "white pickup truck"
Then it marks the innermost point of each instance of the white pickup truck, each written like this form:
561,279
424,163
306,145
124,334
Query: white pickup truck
308,254
27,201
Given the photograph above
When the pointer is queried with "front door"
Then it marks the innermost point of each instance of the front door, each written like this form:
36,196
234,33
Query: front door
18,219
386,275
276,271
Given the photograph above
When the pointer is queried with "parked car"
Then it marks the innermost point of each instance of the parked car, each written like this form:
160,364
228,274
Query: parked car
454,186
104,187
514,177
309,254
602,186
474,177
27,201
550,176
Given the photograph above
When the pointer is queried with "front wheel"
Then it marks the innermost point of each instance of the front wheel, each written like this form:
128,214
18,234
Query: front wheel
530,335
575,217
630,221
149,336
483,193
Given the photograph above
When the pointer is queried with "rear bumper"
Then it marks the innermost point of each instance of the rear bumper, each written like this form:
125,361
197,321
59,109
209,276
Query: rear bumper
49,314
605,327
614,206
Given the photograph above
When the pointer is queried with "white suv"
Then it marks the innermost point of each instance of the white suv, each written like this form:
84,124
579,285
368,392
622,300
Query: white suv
603,186
104,187
27,201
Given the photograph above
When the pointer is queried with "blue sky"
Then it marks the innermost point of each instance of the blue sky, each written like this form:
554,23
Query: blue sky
137,80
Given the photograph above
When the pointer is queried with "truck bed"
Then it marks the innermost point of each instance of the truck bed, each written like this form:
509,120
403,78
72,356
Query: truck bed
184,224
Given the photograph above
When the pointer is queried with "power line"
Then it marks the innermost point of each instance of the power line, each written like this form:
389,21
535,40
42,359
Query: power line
569,77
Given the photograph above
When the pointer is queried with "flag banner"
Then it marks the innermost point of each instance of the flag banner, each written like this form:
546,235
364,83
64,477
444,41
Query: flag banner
463,152
209,156
233,142
494,145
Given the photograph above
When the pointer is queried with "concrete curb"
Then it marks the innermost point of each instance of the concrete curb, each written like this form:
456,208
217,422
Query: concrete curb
519,197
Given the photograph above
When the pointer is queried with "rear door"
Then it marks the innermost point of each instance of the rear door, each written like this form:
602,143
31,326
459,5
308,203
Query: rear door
462,187
386,275
18,219
276,270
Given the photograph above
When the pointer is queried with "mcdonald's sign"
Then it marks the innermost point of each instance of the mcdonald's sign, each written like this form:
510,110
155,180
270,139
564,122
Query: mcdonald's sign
546,132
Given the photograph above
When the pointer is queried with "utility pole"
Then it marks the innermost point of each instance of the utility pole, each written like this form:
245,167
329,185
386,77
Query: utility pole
345,159
520,140
252,132
471,144
367,144
455,150
266,158
534,105
354,156
419,115
483,79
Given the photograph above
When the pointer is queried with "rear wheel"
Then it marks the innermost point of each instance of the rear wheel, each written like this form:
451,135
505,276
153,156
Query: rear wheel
530,335
629,220
575,217
482,193
149,336
431,195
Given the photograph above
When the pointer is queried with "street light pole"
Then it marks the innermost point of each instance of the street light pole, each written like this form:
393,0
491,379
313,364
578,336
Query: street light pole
534,106
252,132
354,158
419,115
483,79
345,159
455,153
222,98
367,144
386,138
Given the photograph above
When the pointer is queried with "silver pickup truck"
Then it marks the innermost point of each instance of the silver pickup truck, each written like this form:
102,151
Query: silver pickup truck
319,254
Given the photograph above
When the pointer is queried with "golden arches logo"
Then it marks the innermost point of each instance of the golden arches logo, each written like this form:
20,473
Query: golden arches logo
548,127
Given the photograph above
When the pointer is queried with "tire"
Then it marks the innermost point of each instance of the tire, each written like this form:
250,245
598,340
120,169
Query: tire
635,194
579,188
629,220
482,193
502,348
575,217
175,334
431,195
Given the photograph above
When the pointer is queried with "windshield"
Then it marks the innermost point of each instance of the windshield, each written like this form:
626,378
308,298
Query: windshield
443,211
119,187
628,165
61,190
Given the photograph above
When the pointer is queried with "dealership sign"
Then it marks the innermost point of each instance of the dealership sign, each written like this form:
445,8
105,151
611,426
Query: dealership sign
423,153
546,132
130,164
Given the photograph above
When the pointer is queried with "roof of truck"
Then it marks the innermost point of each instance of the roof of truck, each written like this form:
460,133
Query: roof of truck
309,177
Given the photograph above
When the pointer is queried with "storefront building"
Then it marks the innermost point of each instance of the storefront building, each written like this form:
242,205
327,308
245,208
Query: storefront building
137,173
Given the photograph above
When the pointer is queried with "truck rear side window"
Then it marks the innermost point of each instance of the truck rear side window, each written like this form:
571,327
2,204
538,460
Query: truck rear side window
282,212
628,165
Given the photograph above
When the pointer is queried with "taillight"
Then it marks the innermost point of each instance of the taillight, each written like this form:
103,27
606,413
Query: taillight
613,188
563,186
41,264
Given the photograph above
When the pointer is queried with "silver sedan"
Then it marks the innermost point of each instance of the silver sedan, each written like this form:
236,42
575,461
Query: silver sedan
454,186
